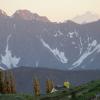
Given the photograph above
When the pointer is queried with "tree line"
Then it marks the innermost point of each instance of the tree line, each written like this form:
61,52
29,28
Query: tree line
8,84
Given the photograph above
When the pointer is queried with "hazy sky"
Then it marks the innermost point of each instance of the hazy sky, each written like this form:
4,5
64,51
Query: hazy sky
55,10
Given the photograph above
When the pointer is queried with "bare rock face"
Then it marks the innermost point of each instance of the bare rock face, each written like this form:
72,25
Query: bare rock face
27,15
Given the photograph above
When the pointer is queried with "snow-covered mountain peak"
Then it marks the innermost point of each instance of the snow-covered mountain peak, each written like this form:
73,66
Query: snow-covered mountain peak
86,18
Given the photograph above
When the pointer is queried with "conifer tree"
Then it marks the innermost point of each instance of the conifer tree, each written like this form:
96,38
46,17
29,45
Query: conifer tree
49,86
12,82
52,84
36,87
1,82
7,88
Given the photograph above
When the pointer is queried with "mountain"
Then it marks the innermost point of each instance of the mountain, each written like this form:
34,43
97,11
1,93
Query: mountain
24,77
86,18
45,44
2,13
27,15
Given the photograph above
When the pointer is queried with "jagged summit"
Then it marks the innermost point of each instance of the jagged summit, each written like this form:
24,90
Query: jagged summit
88,17
28,15
70,22
3,13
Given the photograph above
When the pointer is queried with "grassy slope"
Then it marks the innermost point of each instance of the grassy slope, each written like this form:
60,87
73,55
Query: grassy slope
16,97
83,92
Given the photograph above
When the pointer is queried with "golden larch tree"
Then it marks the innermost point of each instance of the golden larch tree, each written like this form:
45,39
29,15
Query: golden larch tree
1,82
7,89
49,86
12,82
36,87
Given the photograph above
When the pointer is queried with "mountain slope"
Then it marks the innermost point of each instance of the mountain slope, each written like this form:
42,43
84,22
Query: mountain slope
41,43
87,91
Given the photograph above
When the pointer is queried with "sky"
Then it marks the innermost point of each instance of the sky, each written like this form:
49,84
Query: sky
55,10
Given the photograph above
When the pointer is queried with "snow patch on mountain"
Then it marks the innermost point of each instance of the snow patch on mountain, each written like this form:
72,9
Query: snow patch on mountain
73,43
92,48
94,43
72,34
2,68
37,64
58,54
58,33
76,35
8,59
80,45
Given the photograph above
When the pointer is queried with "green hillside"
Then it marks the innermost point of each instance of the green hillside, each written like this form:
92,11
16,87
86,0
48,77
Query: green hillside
83,92
18,97
87,91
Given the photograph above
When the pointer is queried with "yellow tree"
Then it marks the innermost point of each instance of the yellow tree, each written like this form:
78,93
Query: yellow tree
7,88
1,82
36,87
49,86
12,82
